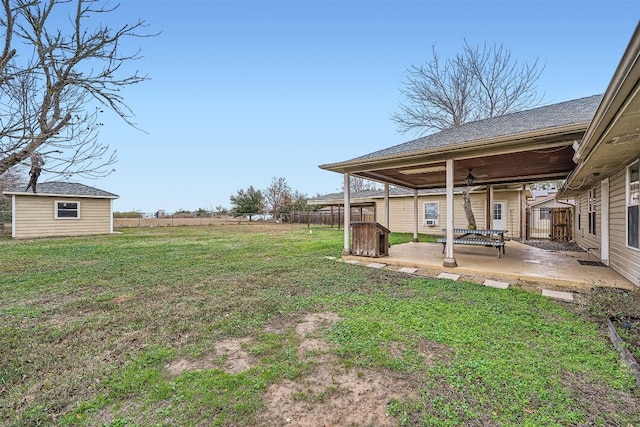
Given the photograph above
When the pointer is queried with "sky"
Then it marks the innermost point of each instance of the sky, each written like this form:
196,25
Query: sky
244,91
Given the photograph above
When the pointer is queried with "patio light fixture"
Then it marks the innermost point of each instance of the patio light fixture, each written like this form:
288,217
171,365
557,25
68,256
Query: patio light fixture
470,178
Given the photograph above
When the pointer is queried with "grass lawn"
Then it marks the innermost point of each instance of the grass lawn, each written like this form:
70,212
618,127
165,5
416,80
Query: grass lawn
251,325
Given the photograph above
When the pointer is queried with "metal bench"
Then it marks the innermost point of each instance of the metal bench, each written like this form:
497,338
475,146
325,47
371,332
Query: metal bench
474,241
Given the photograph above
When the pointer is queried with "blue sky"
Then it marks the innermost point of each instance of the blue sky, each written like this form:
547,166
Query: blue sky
244,91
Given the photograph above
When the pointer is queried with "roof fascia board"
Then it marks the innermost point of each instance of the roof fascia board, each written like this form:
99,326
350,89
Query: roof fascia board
26,193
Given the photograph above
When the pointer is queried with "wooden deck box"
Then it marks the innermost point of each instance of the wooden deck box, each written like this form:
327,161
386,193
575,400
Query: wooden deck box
369,239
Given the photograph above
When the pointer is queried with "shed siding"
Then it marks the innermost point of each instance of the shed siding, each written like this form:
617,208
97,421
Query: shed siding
35,217
623,259
401,212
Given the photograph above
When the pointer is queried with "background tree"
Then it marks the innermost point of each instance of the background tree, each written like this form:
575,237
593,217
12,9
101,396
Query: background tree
10,180
60,67
249,203
277,196
357,184
478,83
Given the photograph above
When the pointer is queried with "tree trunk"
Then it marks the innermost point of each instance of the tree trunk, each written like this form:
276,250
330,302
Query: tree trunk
466,197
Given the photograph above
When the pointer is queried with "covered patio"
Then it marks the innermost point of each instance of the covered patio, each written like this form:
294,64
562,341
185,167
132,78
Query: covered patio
522,147
521,263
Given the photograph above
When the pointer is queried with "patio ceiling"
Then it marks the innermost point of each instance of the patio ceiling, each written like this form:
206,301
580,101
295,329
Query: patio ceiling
541,156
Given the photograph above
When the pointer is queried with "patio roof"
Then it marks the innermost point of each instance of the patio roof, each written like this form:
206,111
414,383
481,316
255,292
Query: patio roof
526,146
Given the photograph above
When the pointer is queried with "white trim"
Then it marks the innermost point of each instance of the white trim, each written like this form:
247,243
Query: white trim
13,216
55,209
111,215
75,196
604,221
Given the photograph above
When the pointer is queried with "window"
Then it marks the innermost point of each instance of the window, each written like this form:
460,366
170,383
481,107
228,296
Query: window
497,211
67,210
591,211
633,205
431,213
545,213
579,205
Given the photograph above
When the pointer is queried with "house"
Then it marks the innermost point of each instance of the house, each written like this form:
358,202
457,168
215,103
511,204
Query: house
508,201
518,148
60,209
605,181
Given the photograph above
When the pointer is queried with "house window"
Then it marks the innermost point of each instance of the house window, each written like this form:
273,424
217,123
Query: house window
591,211
67,210
431,214
545,213
633,205
497,211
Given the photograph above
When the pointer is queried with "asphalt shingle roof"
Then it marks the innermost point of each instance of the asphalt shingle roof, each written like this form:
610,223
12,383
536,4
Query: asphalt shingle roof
548,117
65,189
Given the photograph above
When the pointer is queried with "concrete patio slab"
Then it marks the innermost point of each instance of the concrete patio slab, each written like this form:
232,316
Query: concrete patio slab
449,276
560,269
376,265
496,284
408,270
563,296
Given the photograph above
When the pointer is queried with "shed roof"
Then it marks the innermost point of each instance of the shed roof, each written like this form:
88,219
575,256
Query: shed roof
68,189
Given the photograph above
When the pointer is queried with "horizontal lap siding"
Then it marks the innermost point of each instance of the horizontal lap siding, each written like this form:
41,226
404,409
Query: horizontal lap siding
401,212
35,217
623,259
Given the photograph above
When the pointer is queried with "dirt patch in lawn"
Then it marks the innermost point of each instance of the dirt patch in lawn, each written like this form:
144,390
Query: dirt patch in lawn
329,393
229,355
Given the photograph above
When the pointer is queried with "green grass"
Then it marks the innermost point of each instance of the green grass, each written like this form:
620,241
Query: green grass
89,325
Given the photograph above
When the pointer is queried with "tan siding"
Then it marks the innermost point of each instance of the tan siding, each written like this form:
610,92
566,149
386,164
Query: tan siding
35,217
623,259
401,212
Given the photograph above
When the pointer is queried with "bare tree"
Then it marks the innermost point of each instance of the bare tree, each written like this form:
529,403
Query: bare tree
60,67
357,184
277,196
478,83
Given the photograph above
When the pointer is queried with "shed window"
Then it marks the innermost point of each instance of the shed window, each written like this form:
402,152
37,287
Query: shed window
66,210
545,213
591,211
633,205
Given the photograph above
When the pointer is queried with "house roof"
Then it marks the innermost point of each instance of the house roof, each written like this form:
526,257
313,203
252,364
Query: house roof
567,113
525,146
65,189
612,139
366,196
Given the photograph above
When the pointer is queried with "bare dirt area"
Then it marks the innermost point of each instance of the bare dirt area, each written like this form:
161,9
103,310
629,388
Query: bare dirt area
327,394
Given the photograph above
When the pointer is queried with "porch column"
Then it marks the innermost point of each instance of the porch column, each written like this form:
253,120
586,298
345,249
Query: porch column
449,260
386,205
523,213
347,215
489,221
415,215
